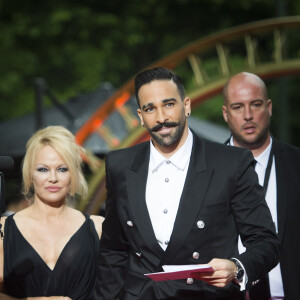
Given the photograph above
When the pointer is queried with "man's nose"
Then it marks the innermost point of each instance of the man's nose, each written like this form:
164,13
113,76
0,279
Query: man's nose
248,114
161,116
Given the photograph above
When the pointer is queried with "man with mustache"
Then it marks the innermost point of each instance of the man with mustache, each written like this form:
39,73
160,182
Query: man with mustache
179,199
248,110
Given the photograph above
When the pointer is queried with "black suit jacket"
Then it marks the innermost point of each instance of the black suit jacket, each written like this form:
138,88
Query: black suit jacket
287,163
221,190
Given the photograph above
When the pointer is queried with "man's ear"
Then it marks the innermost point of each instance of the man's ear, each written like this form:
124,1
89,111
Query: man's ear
224,110
187,106
270,107
139,112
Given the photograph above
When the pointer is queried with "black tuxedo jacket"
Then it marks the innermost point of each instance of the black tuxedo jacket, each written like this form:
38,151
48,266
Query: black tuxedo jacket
220,190
287,164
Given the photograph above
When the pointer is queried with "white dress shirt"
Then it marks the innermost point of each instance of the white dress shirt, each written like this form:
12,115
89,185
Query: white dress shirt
275,279
166,178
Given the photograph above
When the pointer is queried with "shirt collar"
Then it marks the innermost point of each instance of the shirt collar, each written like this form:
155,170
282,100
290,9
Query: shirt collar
263,158
179,159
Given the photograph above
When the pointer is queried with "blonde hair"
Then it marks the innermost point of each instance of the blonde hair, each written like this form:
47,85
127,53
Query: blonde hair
63,142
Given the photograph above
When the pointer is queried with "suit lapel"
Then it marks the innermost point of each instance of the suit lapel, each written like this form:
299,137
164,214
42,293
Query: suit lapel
282,188
136,179
196,184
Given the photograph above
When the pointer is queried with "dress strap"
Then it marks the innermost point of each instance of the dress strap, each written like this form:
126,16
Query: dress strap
87,216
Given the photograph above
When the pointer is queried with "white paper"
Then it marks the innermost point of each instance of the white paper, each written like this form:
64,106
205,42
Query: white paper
176,268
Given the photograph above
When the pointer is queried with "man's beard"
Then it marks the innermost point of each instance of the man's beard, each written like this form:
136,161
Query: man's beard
255,144
168,139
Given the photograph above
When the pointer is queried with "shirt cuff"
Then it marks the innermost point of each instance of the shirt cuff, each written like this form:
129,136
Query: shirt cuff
244,281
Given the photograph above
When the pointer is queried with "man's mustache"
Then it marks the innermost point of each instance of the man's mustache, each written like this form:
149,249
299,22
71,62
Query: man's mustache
165,124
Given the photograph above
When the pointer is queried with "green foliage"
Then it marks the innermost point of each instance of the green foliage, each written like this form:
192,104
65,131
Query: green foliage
211,110
76,45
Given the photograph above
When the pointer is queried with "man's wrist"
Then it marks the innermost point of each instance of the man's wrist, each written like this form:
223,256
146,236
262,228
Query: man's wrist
239,272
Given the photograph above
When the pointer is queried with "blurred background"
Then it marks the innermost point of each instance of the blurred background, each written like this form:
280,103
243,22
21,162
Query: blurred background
71,63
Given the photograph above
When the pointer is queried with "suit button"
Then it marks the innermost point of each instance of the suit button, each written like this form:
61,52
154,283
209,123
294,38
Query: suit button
255,282
200,224
138,254
129,223
190,281
196,255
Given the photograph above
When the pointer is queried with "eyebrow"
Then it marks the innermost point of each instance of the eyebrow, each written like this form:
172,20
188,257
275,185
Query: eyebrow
150,104
147,105
241,103
169,100
47,166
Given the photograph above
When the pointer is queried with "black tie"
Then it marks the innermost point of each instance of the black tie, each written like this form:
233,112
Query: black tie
255,163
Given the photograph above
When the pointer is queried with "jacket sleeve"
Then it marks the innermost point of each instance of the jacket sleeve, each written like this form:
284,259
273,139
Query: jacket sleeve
254,221
113,251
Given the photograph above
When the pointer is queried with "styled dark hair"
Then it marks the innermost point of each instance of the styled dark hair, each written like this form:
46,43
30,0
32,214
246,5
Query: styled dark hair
158,73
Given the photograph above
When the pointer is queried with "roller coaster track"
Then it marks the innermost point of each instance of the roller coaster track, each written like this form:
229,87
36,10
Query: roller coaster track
269,48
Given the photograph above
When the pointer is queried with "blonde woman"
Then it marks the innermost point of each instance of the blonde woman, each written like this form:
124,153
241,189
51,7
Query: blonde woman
49,250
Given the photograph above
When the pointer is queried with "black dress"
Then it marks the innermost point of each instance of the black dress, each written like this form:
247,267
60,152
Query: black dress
27,275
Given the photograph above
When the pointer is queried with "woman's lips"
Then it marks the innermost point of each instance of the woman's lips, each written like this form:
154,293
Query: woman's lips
52,189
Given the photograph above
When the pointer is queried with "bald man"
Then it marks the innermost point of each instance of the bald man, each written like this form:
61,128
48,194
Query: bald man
248,110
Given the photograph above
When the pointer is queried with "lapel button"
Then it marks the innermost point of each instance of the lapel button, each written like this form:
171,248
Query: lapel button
200,224
196,255
189,280
129,223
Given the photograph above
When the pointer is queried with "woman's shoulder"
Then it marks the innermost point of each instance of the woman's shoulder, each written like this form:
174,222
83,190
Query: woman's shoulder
2,224
3,219
98,220
22,214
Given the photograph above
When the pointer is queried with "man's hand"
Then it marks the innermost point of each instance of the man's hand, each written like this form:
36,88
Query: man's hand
224,273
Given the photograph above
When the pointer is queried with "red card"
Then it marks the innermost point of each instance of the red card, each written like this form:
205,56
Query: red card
179,272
